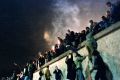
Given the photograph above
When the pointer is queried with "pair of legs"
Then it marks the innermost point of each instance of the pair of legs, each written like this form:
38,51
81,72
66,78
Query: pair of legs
79,75
100,75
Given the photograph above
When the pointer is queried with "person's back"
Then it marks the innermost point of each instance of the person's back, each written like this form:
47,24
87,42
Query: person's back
71,70
98,61
41,61
40,74
47,73
58,74
100,66
78,61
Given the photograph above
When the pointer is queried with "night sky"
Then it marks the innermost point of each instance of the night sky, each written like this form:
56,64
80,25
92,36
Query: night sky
24,22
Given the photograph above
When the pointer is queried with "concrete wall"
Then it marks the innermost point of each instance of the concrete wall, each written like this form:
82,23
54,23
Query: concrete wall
109,47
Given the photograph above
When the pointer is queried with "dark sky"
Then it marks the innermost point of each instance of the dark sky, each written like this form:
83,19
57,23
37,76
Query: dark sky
23,23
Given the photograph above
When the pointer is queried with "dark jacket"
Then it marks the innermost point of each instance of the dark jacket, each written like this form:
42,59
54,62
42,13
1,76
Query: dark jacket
71,71
58,74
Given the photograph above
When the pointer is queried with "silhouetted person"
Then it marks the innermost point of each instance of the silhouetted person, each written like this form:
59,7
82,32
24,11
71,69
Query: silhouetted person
94,27
41,60
104,23
48,55
16,71
47,73
67,40
71,68
31,69
26,73
114,11
41,75
87,30
109,17
14,76
100,66
58,74
83,36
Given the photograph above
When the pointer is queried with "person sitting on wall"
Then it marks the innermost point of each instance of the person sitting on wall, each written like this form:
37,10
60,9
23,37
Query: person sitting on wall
104,23
109,17
48,56
47,73
41,60
58,74
31,69
83,36
114,11
87,30
67,40
25,72
77,40
94,27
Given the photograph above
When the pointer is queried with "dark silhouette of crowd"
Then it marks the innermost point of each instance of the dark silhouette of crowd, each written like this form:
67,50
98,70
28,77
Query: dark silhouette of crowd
71,42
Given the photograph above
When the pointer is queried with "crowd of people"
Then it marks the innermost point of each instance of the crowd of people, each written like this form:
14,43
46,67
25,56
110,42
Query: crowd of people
73,39
71,42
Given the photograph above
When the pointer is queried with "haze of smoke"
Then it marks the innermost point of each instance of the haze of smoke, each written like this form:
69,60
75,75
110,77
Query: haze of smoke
74,15
66,17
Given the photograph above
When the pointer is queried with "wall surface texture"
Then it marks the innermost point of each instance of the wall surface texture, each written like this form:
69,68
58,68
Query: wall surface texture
109,47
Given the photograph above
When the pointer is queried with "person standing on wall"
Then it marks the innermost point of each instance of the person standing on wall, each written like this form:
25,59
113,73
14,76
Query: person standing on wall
58,74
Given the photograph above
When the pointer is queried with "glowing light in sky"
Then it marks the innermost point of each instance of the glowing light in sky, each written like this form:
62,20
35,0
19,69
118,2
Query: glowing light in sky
50,39
53,48
46,36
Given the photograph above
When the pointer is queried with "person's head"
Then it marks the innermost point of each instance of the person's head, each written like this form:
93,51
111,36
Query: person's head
68,30
91,21
108,4
87,28
103,18
48,67
56,67
27,64
70,55
34,62
83,31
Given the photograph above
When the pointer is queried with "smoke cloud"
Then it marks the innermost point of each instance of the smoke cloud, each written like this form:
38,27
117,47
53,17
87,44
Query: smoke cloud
73,15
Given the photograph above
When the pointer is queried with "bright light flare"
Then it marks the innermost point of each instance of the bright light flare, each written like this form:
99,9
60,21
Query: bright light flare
58,42
53,48
46,36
